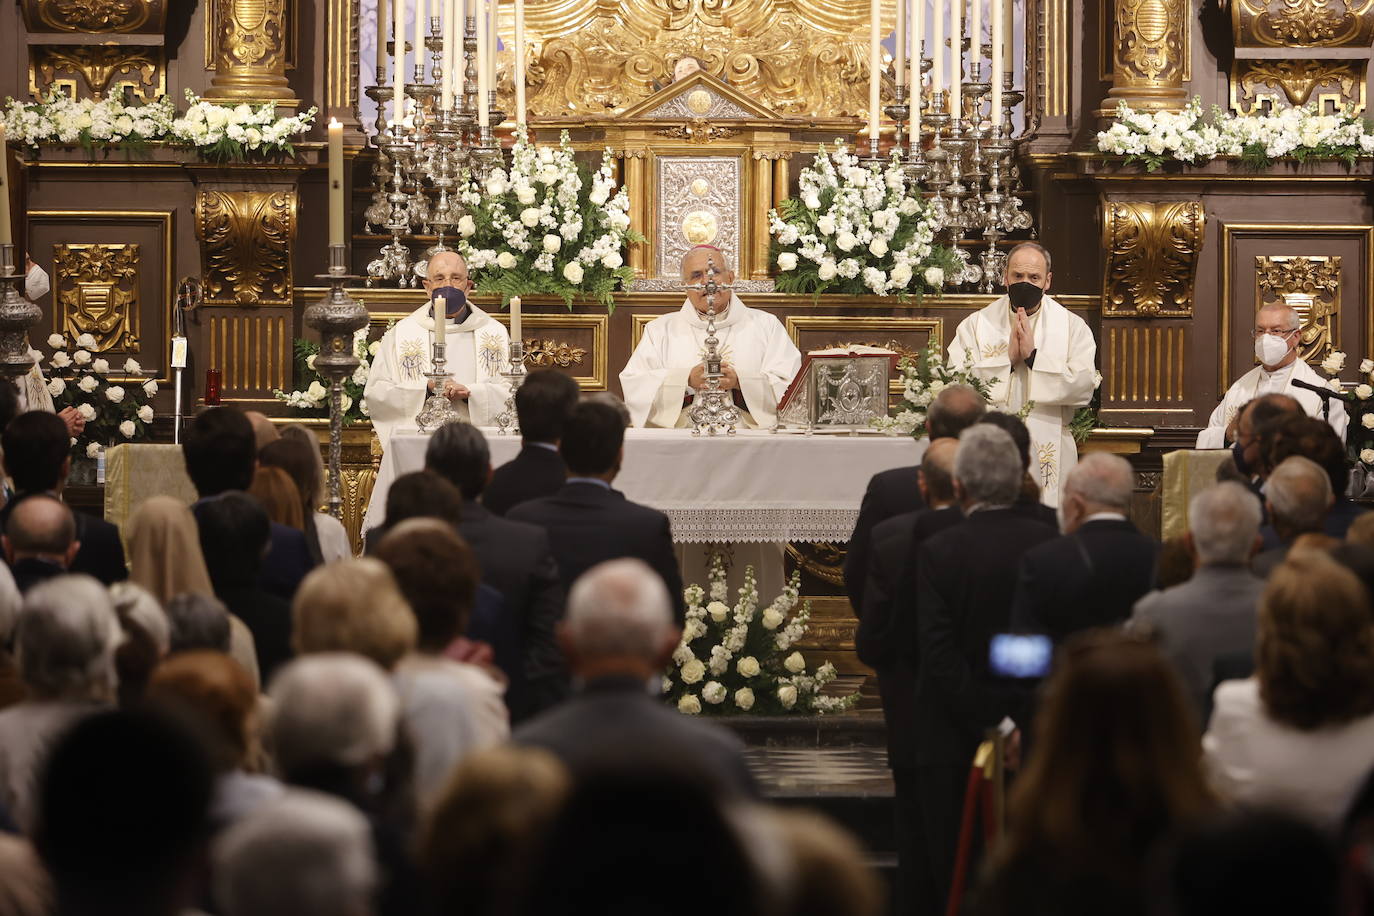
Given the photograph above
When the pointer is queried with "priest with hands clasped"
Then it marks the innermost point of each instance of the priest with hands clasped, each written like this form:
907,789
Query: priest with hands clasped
758,359
477,352
1032,351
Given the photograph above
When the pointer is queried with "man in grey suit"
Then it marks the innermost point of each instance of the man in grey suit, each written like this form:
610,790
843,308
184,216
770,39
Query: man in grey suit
1212,614
618,636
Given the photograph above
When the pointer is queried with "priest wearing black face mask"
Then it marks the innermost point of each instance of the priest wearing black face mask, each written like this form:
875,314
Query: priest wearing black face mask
1029,348
478,350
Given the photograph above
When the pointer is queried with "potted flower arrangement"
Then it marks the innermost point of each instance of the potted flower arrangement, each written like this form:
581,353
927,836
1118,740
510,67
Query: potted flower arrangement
922,379
735,659
547,226
312,395
79,379
859,229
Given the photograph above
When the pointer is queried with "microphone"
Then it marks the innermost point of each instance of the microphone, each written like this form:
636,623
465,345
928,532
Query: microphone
1320,391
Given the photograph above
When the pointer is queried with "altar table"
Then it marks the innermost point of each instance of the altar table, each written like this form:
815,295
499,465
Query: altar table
755,486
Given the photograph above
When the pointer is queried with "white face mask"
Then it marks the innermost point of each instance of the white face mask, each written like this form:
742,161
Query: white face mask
1270,350
36,284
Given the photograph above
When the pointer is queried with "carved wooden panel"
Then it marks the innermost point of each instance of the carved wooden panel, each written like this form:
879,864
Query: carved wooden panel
98,71
575,344
121,17
252,350
1152,251
246,239
1312,286
1143,366
97,289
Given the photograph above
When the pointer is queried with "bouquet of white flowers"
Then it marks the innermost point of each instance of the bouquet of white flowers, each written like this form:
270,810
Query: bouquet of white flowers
858,229
86,122
922,380
313,395
547,226
734,659
232,133
79,379
1257,139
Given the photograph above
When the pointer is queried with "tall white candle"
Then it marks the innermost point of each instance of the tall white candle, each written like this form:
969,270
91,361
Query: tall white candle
875,65
483,108
398,63
937,46
446,66
440,307
515,328
383,22
998,27
956,55
917,14
975,29
421,27
6,230
520,115
899,68
1008,30
491,45
336,182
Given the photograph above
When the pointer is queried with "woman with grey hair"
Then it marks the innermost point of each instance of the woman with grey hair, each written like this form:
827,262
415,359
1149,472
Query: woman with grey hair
65,644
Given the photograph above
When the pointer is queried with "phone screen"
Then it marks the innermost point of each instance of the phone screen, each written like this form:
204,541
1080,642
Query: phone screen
1020,655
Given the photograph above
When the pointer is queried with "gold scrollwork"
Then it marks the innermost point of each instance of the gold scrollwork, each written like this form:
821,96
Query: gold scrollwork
1340,82
1151,54
542,353
100,15
102,68
1152,251
97,292
824,560
1312,286
246,239
1302,23
250,48
698,132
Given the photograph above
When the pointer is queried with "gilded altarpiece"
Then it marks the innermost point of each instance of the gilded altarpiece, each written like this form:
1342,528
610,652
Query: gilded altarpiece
1291,52
97,294
96,48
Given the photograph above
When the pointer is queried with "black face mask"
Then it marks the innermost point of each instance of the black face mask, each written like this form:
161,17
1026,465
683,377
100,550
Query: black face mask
1024,295
455,300
1238,455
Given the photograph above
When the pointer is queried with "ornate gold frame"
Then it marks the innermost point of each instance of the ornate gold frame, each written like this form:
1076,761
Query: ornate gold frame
167,219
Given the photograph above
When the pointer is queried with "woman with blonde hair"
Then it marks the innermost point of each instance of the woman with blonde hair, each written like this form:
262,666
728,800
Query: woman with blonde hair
277,492
298,454
1299,735
1115,769
353,606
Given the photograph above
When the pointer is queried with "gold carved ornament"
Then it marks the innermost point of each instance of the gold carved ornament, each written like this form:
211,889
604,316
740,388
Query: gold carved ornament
246,239
97,294
97,15
1312,286
1152,252
250,51
1302,23
796,58
98,66
1341,81
542,353
1150,62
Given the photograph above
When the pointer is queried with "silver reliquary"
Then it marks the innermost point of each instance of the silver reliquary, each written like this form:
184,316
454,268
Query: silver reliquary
838,388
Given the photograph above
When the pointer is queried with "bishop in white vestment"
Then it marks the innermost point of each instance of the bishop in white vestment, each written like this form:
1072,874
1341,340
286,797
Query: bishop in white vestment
759,360
1276,347
478,350
1032,350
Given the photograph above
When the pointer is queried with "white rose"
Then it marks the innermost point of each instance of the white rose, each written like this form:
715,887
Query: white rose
310,361
1334,384
545,155
689,705
145,413
718,611
505,260
56,386
316,391
131,366
525,194
60,360
127,429
100,365
1367,456
57,342
795,663
530,216
150,387
878,246
787,261
787,696
693,671
86,341
934,277
901,276
552,243
573,272
600,194
86,411
772,619
744,698
748,666
1364,392
466,227
826,270
93,450
845,241
1367,421
115,394
373,347
612,261
81,357
812,200
1334,362
345,402
713,692
495,186
826,225
88,384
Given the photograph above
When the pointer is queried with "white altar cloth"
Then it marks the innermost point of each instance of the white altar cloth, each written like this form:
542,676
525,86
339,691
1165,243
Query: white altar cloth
755,486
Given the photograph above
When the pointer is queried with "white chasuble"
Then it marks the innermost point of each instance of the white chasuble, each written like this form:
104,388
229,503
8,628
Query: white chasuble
1259,381
478,351
1062,379
752,342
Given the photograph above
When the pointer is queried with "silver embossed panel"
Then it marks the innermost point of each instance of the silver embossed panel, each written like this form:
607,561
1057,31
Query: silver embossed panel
700,202
699,103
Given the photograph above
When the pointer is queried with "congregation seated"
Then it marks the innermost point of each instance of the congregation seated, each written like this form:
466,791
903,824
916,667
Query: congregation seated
298,454
40,541
1028,499
542,405
1297,499
145,639
276,492
1310,438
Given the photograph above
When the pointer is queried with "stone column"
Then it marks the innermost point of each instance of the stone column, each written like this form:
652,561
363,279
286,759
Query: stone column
250,52
1150,56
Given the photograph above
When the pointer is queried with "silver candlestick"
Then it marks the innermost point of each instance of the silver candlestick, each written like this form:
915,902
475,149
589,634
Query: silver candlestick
509,418
438,409
336,317
713,408
17,315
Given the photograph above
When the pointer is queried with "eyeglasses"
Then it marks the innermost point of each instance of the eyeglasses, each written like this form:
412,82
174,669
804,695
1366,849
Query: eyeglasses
1257,333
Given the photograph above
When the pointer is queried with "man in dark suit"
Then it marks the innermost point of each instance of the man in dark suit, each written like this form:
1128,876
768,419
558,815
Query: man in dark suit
516,559
40,540
1298,497
1099,569
895,492
886,641
221,454
542,404
38,458
1299,434
618,638
1028,500
588,522
965,581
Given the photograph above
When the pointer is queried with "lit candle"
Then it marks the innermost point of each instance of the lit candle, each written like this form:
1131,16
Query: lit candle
917,14
383,17
998,27
937,47
336,183
446,98
520,115
875,65
398,63
6,232
956,54
515,329
483,108
900,66
421,24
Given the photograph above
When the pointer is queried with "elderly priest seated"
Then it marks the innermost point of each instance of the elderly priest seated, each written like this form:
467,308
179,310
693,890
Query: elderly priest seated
1281,370
667,369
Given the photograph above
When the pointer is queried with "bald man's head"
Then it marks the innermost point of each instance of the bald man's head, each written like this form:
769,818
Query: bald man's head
954,410
41,526
447,268
937,472
696,265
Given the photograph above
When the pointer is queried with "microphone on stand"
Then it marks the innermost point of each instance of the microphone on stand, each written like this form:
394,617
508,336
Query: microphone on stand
188,298
1321,391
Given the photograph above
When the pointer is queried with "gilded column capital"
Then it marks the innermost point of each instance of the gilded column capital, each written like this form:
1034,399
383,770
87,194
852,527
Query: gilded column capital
1152,251
250,52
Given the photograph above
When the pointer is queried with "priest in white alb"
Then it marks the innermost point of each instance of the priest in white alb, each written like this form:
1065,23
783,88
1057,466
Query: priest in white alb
478,349
665,371
1276,337
1032,350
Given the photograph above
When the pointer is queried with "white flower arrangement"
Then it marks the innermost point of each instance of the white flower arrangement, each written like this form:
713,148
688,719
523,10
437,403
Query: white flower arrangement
1359,405
113,413
218,132
731,661
313,397
1155,138
858,229
922,379
547,226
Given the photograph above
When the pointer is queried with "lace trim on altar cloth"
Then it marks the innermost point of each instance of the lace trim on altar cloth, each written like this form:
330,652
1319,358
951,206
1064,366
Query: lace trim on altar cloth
760,526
